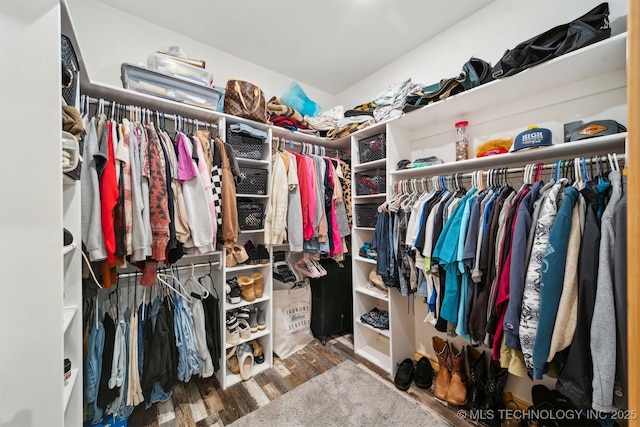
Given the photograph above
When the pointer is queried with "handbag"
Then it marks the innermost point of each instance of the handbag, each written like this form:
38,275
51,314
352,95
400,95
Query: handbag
246,100
583,31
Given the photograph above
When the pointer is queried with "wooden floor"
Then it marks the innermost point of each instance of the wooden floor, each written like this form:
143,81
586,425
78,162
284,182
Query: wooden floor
203,403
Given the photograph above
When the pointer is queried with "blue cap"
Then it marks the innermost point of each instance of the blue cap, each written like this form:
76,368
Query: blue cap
532,137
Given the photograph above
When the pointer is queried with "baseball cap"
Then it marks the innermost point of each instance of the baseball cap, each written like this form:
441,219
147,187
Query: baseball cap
532,137
597,128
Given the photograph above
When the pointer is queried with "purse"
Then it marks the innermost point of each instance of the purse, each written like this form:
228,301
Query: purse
583,31
246,100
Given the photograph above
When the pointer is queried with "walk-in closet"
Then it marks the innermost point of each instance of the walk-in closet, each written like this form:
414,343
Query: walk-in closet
320,213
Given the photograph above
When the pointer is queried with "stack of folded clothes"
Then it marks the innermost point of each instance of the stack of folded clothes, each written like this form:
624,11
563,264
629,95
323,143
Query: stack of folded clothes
355,119
391,101
284,116
326,121
377,318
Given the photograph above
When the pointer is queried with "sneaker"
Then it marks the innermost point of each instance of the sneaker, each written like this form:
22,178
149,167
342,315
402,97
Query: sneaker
233,291
253,319
424,373
262,319
404,375
233,335
243,313
244,329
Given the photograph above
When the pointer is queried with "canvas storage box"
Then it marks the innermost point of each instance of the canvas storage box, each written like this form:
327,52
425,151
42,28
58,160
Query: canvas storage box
158,84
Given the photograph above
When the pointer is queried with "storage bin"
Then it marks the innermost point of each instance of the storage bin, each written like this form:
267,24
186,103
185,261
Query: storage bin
372,148
372,181
158,84
366,215
246,146
172,67
250,215
254,181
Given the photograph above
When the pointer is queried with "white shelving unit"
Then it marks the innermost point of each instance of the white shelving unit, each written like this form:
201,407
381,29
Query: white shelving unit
385,348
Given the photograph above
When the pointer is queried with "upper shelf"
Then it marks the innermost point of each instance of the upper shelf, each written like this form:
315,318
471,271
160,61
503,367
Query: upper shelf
604,144
594,60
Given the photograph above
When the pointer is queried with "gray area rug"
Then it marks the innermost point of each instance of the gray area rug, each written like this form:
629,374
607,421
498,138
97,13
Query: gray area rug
345,395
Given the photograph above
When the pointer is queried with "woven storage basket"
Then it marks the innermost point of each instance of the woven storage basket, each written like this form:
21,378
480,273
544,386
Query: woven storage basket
372,181
254,181
372,148
366,215
246,146
250,215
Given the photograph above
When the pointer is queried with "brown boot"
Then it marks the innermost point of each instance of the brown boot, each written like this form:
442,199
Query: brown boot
257,284
246,288
441,347
457,393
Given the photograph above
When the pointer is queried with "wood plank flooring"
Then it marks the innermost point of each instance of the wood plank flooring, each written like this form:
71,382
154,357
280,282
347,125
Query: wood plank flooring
202,403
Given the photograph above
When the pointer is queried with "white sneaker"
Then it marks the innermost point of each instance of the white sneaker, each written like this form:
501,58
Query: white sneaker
244,328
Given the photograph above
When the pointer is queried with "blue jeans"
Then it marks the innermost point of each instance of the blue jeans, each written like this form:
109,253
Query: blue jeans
93,371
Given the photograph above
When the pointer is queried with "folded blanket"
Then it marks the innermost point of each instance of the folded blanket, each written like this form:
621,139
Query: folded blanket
275,107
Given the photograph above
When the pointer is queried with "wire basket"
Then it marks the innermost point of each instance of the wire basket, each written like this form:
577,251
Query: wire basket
372,181
246,146
250,215
366,215
372,148
254,181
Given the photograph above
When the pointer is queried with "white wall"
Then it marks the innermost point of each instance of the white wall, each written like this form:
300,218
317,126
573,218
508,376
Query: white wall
486,34
108,37
31,372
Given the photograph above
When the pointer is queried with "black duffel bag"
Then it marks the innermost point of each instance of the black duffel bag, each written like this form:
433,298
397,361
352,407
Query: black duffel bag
589,28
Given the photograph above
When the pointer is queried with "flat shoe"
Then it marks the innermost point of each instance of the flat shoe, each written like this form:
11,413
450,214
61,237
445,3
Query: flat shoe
230,258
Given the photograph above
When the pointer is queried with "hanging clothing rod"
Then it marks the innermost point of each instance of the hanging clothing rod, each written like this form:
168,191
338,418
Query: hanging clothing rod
145,111
292,143
568,164
179,268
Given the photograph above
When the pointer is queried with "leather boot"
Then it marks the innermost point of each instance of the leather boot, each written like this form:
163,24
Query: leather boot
441,348
257,284
477,375
492,402
457,393
246,288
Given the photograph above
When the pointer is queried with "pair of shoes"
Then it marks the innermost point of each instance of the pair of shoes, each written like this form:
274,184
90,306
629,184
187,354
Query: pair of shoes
251,287
245,320
258,355
245,360
451,380
232,360
252,251
233,291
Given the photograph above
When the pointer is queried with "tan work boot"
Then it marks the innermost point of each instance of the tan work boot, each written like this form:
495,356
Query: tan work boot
457,393
443,380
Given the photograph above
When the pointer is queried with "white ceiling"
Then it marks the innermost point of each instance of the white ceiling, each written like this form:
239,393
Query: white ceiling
328,44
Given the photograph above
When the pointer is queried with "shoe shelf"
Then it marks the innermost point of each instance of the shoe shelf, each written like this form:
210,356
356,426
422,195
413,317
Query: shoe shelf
384,332
377,351
254,336
370,196
252,162
244,303
370,165
258,368
68,388
242,267
67,316
253,196
252,231
372,292
367,260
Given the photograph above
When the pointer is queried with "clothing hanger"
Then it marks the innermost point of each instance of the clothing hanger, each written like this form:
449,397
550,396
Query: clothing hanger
195,282
161,278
